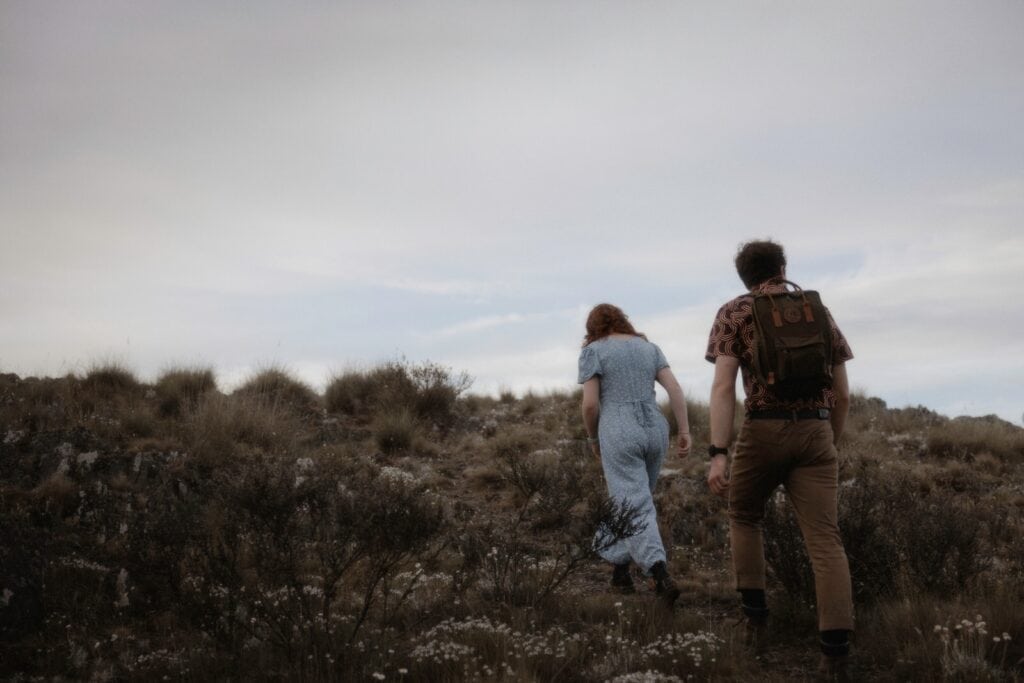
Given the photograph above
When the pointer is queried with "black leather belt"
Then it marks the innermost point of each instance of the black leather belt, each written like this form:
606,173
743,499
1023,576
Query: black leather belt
818,414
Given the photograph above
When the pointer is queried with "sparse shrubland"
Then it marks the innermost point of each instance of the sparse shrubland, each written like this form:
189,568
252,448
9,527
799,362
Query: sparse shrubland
179,389
410,532
428,391
277,388
110,379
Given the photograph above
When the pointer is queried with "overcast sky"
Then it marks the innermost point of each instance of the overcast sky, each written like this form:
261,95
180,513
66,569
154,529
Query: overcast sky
329,185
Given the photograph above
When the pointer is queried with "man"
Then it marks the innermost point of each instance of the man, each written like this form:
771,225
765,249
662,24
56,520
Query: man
787,441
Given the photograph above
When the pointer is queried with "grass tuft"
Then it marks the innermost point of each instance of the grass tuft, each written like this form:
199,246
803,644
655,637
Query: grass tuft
274,386
179,389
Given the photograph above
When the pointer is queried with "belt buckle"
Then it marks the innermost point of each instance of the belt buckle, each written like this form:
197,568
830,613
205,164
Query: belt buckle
823,413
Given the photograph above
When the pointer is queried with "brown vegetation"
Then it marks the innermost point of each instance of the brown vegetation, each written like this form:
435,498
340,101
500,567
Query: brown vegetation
411,532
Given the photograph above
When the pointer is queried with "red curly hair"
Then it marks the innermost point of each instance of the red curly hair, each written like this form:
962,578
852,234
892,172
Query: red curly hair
606,319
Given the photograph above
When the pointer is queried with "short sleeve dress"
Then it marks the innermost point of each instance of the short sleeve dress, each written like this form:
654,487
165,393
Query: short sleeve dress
633,434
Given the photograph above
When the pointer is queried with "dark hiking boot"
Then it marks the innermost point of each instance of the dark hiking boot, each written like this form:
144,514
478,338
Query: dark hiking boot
755,633
667,590
622,579
755,626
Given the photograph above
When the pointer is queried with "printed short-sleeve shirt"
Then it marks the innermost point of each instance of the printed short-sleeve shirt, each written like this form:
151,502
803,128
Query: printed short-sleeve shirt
733,335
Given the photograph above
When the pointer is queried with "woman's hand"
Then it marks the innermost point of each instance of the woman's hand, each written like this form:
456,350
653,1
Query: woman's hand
683,445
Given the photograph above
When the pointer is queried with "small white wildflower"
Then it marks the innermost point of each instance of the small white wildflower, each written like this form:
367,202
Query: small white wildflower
1006,636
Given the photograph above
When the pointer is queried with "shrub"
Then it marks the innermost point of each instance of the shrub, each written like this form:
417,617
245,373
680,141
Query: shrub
966,438
109,379
349,393
222,427
299,564
926,543
437,390
180,389
139,423
559,494
394,431
517,442
276,387
429,391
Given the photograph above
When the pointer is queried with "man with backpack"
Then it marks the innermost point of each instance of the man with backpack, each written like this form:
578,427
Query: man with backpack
792,358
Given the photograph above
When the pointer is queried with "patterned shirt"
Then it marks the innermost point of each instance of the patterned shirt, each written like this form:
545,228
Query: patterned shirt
733,335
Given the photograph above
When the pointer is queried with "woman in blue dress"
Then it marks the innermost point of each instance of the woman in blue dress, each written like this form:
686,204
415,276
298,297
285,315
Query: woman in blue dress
628,433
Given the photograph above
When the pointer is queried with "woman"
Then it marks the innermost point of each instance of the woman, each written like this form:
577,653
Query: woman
628,433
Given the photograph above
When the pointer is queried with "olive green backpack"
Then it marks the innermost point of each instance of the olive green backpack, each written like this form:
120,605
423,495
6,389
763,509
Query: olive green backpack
792,343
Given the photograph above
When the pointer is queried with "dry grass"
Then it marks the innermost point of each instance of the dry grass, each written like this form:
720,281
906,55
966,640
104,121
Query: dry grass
395,432
179,389
276,388
971,438
188,534
428,391
223,428
109,379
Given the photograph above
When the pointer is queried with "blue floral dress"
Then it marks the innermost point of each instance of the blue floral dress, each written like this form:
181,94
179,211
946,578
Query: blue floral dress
633,434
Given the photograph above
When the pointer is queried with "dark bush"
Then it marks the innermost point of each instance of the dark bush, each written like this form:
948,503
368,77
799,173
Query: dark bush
276,387
394,431
110,379
429,391
437,390
180,389
222,427
897,538
294,561
349,393
966,438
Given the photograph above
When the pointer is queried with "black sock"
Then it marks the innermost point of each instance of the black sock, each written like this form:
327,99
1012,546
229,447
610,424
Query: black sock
835,642
754,603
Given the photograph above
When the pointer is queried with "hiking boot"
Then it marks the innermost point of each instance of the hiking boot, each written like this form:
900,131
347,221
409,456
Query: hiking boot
667,590
755,633
755,624
622,579
834,669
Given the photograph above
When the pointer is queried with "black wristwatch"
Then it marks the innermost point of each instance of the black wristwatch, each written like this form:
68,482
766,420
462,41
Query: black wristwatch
714,450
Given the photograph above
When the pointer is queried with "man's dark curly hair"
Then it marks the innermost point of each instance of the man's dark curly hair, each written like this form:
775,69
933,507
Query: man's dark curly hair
758,261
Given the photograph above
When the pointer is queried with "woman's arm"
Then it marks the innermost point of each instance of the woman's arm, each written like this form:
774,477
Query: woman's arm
667,379
592,411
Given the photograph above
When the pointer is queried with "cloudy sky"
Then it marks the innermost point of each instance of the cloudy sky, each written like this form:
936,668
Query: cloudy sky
329,185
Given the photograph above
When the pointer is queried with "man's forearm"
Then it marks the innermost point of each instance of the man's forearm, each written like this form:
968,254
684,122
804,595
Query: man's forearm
723,411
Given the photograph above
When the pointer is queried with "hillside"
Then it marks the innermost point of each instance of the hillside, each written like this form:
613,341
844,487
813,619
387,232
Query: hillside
396,528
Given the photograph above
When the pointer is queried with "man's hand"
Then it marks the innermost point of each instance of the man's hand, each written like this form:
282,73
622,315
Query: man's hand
684,444
718,478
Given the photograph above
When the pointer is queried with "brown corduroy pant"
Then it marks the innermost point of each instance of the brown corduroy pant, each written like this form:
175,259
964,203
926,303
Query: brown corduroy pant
800,456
